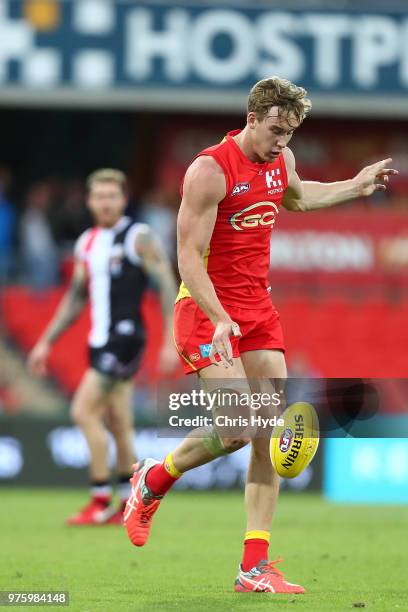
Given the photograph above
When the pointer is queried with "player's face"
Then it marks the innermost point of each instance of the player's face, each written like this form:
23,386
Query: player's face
107,202
271,134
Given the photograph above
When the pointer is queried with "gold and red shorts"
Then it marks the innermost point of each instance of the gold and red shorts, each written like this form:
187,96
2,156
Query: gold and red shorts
193,332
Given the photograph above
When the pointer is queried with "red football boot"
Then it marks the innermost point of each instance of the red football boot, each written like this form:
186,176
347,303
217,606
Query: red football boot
94,513
116,515
141,505
265,578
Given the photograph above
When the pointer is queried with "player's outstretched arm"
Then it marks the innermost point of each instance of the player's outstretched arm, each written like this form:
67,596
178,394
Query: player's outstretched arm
68,311
157,265
203,189
309,195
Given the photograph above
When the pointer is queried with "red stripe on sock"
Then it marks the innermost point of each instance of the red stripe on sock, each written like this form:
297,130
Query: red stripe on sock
159,480
254,551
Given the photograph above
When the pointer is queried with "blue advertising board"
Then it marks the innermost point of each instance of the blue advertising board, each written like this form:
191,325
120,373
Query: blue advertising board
366,470
52,452
200,54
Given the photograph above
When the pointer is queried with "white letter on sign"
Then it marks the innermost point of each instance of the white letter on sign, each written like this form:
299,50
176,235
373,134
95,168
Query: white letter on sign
240,60
144,44
286,59
328,30
376,43
404,59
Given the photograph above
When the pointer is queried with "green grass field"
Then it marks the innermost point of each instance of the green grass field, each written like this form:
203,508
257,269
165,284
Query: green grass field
346,557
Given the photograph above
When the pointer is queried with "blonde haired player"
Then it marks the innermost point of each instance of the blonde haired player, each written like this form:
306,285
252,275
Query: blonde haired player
117,257
232,193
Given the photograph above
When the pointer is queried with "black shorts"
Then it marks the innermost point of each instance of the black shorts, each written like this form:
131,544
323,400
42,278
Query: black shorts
119,358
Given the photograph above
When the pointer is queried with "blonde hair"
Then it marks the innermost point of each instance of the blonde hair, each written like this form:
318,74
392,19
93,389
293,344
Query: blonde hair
107,175
275,91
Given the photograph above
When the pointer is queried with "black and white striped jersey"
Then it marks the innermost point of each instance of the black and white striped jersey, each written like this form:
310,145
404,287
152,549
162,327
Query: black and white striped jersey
117,280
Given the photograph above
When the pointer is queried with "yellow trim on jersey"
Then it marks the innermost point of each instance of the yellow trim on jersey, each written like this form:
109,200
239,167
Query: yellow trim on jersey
183,291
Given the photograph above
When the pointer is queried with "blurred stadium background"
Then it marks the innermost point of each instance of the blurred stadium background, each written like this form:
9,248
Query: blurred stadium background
143,86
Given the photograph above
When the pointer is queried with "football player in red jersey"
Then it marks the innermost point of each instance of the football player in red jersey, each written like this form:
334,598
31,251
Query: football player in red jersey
226,327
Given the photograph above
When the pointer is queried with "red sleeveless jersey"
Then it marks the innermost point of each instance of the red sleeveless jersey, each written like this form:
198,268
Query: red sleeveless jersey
237,259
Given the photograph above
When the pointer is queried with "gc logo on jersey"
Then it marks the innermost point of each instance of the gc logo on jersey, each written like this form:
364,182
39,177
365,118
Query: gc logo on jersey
240,188
265,215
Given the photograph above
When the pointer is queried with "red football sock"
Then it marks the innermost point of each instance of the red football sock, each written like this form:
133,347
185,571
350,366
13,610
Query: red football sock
101,492
103,500
255,549
161,477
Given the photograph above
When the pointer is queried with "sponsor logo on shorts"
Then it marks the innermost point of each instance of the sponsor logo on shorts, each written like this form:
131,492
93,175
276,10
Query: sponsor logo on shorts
107,362
125,328
285,440
194,357
240,188
205,350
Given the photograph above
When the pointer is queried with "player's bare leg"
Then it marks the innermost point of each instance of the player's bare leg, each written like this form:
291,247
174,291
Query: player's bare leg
120,424
262,485
153,479
119,421
261,490
194,450
88,409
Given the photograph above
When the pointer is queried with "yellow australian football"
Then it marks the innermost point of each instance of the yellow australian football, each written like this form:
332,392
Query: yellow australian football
294,443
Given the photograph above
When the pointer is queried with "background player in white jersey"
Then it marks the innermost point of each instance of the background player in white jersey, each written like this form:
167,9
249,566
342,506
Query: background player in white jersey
116,258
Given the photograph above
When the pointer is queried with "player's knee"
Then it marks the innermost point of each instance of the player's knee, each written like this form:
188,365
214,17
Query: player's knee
217,445
230,445
80,415
119,429
77,416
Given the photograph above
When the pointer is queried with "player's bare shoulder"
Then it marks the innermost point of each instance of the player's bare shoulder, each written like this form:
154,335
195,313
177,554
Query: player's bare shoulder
294,191
205,180
203,189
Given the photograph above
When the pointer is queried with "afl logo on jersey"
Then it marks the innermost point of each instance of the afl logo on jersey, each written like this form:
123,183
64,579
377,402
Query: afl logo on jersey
240,188
257,215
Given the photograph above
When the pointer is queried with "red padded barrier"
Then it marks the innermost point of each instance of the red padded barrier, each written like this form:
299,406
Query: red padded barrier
26,314
334,337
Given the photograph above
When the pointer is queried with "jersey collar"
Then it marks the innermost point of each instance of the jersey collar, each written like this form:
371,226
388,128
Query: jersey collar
244,158
120,225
